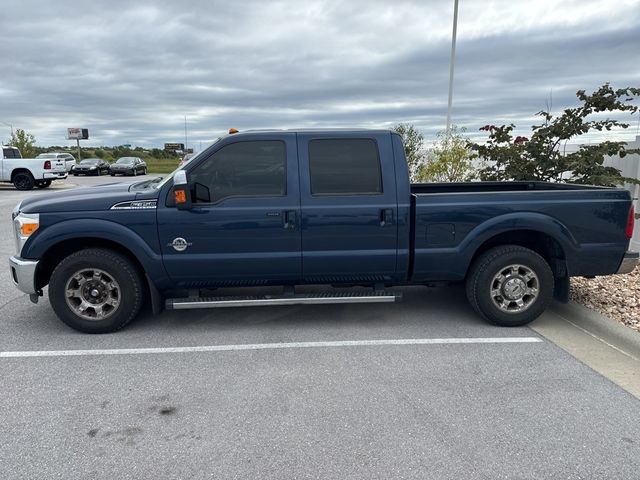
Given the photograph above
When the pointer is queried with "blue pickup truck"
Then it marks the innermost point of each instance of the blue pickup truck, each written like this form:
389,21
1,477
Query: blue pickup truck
327,207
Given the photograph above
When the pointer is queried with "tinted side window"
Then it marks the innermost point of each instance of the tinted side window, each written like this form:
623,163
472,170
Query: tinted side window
243,169
349,166
11,153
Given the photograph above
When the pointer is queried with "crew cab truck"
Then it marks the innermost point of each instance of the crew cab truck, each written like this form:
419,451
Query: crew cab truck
26,173
292,208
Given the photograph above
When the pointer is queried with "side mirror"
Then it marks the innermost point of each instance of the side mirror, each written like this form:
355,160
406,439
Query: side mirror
181,190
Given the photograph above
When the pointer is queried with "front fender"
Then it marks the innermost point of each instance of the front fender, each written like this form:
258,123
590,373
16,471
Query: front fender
38,245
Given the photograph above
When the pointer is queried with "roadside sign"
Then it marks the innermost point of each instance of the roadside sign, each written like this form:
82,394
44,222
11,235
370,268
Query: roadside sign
172,147
77,133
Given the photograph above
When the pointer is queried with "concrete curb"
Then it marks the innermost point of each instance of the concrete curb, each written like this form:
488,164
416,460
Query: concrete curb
608,330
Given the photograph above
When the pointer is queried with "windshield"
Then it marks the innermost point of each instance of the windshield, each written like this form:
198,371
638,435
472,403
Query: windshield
161,181
125,160
90,161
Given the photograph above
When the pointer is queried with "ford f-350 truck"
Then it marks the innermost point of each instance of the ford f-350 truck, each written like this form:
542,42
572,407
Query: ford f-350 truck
293,208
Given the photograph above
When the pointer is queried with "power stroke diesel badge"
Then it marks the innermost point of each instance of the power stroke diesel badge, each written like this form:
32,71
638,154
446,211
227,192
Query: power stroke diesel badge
179,244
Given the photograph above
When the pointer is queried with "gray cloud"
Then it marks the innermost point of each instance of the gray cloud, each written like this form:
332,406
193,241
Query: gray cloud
130,72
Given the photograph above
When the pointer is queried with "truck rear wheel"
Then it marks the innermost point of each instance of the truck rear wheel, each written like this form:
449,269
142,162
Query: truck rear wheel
96,291
23,181
510,285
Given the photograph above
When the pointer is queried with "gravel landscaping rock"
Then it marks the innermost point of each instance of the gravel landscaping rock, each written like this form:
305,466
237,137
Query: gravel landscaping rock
616,296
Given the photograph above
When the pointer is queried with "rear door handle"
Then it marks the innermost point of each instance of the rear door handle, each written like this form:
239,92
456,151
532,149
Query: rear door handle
386,216
289,219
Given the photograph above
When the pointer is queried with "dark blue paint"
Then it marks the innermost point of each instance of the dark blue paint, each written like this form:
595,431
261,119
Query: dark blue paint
408,234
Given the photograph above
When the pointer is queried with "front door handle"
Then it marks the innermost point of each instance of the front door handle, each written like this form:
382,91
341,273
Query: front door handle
386,216
289,219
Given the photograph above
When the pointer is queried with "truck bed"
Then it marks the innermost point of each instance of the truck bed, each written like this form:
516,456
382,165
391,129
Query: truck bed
582,223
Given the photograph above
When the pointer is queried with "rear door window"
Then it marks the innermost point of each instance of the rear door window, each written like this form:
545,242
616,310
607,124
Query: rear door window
345,166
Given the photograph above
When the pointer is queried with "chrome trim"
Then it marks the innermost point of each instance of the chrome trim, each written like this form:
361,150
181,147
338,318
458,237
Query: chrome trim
135,205
629,262
23,274
180,304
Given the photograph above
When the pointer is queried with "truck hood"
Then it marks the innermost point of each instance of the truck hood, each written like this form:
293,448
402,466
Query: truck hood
100,197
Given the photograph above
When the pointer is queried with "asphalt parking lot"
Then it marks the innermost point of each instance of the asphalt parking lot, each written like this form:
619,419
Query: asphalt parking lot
297,392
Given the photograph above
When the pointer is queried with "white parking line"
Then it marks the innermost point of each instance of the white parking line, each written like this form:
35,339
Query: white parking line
268,346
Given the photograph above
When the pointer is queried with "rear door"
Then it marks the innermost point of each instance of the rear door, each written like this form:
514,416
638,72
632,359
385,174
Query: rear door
349,207
243,228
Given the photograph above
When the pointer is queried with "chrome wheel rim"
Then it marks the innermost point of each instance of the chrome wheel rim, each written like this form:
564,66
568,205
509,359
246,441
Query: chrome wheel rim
93,294
514,288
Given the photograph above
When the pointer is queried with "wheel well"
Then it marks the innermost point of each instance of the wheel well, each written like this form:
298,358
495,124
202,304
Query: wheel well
58,252
544,245
20,170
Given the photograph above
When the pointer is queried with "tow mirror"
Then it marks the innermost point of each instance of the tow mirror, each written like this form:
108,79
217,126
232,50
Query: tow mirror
181,190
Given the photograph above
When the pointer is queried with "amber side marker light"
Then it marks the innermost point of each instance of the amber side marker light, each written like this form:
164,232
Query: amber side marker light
28,228
232,131
180,196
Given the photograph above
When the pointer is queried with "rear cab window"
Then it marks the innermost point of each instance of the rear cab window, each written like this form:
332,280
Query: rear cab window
11,153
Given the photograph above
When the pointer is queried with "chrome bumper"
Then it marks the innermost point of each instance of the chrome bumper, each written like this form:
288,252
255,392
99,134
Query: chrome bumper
629,262
54,176
23,273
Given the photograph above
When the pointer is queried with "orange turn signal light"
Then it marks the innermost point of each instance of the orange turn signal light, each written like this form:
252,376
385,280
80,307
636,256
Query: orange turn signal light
180,196
27,229
232,131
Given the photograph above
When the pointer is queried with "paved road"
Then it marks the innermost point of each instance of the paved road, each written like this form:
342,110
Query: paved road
471,410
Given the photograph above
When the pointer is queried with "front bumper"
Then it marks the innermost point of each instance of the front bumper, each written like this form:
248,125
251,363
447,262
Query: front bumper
23,273
629,262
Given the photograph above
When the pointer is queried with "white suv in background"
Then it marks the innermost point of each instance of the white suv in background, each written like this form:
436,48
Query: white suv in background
69,160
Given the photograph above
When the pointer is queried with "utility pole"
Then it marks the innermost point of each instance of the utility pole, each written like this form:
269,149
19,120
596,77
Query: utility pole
79,152
8,125
452,63
186,146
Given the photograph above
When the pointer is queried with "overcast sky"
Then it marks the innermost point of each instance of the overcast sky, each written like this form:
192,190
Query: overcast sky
130,71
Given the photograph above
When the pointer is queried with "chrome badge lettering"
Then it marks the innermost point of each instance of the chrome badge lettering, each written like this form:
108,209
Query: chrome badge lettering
179,244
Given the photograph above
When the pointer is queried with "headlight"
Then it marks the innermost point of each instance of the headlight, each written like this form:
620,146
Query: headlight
24,225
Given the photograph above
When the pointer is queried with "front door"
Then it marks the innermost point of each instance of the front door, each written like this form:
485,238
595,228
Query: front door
349,208
243,228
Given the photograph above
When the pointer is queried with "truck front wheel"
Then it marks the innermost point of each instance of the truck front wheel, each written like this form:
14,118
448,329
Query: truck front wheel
510,285
96,291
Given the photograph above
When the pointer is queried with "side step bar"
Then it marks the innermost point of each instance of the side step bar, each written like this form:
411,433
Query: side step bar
266,300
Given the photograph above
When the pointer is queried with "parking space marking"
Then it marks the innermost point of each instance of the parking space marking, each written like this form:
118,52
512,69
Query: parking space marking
269,346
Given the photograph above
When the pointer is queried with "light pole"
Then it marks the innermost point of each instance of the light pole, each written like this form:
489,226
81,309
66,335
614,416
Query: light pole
452,63
186,145
8,125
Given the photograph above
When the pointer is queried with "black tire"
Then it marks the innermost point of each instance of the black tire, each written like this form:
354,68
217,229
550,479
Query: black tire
23,181
43,184
486,275
75,174
134,172
99,172
112,174
144,171
115,266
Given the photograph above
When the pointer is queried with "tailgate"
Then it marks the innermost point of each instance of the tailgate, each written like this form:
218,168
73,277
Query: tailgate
58,166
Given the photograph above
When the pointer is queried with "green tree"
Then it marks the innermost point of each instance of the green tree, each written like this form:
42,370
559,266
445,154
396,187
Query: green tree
450,159
24,141
542,156
413,147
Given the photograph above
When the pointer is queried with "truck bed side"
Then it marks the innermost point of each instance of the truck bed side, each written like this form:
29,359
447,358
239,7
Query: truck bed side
582,227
